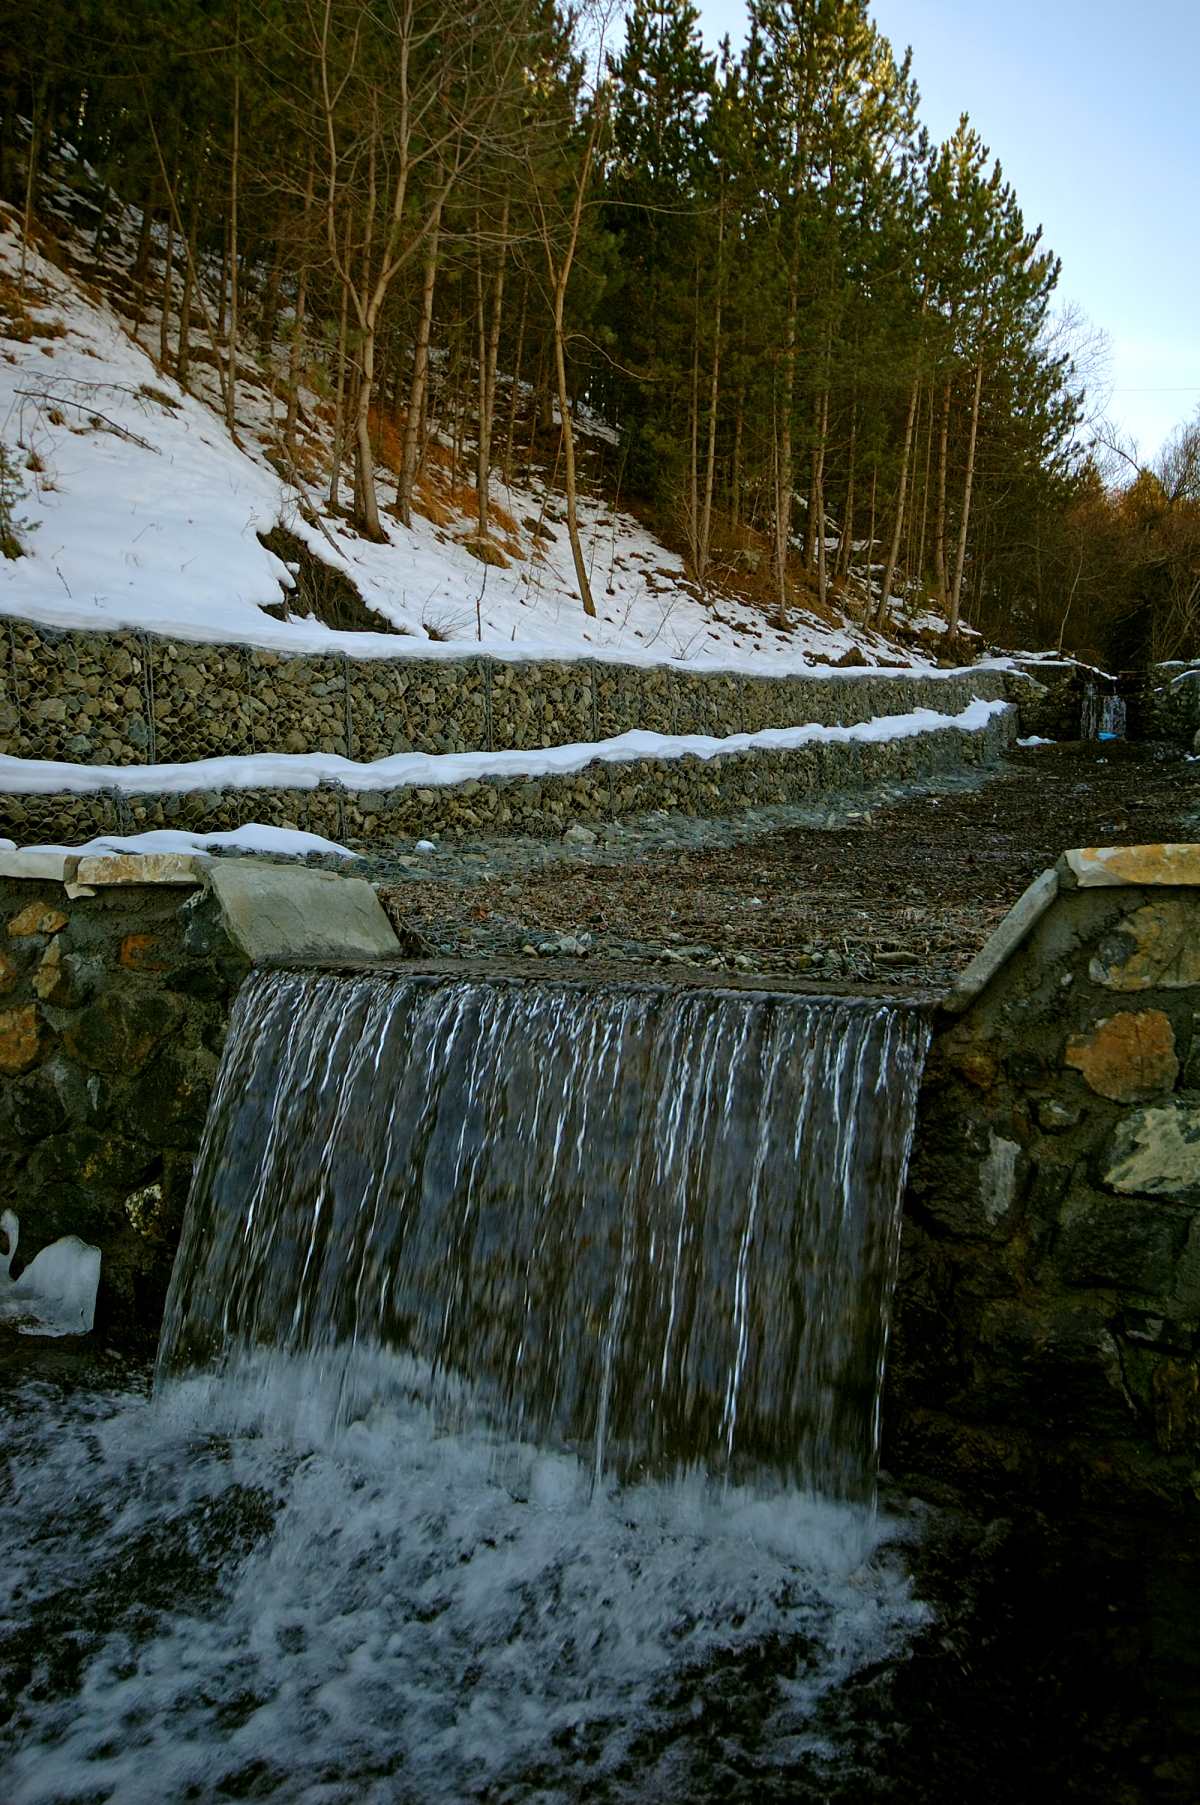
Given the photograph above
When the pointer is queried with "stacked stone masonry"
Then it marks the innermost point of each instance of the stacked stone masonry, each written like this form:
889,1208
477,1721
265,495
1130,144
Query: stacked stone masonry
134,698
113,1011
1048,1323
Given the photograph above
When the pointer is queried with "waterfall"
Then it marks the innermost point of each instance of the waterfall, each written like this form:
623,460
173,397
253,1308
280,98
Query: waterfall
658,1228
1103,714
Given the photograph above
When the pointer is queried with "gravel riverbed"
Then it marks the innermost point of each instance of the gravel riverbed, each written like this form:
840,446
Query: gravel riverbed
895,889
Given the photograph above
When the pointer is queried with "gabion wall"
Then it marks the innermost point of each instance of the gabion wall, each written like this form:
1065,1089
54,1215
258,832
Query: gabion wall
134,698
727,784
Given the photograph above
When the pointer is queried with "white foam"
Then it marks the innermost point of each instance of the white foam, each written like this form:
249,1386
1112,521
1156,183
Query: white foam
400,1609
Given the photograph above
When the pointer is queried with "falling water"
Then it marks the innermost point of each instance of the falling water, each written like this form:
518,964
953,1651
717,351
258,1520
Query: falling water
658,1229
1103,714
503,1316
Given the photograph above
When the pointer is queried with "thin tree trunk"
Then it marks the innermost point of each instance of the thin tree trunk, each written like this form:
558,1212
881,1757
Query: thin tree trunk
559,271
939,522
783,449
846,547
339,416
364,462
817,505
489,353
35,130
871,541
141,265
183,342
568,443
961,554
925,487
515,389
420,374
164,323
270,305
898,524
234,176
710,455
735,466
693,520
296,348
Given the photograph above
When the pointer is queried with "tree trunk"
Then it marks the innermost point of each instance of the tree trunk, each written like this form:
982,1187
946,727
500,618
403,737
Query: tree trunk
783,450
846,546
183,343
339,406
714,383
925,488
817,505
968,485
489,353
939,521
296,348
31,168
420,375
568,443
871,541
231,384
168,286
898,524
141,265
364,462
693,504
515,389
735,464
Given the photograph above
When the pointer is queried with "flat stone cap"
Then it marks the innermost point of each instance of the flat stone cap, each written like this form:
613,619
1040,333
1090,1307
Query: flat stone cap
1093,867
996,951
273,912
1086,867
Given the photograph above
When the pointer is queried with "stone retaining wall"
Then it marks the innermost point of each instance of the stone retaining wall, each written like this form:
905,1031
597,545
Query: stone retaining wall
1166,705
113,1011
134,698
602,791
1048,1311
117,978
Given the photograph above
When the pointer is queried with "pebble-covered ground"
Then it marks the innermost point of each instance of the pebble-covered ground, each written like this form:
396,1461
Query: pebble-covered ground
895,890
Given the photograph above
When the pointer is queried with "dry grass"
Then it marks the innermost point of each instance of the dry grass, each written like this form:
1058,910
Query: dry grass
17,322
427,501
385,432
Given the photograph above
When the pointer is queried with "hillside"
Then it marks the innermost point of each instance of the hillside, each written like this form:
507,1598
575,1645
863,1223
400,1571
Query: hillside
133,507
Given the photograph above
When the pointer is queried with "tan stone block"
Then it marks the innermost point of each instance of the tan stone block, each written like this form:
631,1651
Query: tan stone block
1175,862
1127,1057
141,868
49,974
9,973
36,918
1156,1152
139,953
20,1041
1154,947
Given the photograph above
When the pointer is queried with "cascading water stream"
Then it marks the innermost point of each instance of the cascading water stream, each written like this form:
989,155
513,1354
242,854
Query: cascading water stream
481,1286
1104,714
657,1228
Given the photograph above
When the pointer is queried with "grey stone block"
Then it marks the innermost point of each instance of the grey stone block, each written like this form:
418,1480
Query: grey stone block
276,913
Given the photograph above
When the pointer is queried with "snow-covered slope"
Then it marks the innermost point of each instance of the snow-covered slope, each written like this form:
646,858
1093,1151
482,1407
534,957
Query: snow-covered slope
140,511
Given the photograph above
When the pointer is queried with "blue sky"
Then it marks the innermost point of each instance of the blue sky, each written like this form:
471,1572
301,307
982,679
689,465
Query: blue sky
1093,109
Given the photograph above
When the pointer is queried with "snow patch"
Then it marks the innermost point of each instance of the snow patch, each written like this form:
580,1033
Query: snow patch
254,836
56,1293
305,770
